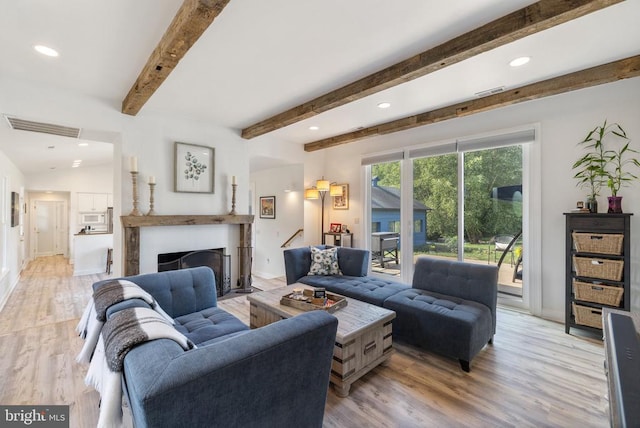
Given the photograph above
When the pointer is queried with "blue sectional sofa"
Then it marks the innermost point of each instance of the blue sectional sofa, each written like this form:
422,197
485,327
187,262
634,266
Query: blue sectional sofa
449,309
277,375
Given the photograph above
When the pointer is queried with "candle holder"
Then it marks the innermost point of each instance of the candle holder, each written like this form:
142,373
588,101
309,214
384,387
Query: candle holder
151,188
134,182
233,199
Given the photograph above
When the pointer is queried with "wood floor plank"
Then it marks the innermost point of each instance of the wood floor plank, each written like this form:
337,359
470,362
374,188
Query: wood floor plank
534,375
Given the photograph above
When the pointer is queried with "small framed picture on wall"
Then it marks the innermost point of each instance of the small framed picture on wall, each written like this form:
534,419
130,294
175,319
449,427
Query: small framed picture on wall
342,202
267,207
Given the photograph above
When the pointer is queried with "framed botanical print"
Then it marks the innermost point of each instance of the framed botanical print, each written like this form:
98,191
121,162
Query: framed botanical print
267,207
194,168
342,202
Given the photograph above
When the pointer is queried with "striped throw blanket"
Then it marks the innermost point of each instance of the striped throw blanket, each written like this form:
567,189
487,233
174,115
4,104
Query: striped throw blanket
121,332
95,313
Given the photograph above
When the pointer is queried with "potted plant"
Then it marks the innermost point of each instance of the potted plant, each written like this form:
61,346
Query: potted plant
616,167
601,165
590,167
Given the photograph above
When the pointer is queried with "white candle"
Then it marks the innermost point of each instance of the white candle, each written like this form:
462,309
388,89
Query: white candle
152,179
233,179
134,164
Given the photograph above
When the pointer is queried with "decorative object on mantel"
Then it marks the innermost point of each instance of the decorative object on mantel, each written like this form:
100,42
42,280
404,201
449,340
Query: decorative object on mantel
600,165
319,191
134,181
267,207
194,168
152,185
234,185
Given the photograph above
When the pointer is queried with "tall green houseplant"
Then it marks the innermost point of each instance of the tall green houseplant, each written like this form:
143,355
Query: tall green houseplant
611,166
590,167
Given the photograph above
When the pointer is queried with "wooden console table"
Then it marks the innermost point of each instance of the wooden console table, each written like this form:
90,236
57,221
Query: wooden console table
132,225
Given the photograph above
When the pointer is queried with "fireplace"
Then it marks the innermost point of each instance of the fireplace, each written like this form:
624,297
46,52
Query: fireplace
215,258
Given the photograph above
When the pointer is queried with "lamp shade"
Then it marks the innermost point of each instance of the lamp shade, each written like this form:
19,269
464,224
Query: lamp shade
322,185
336,190
311,194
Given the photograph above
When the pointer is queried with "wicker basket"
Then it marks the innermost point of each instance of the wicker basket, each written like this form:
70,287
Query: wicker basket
603,243
586,315
598,268
598,293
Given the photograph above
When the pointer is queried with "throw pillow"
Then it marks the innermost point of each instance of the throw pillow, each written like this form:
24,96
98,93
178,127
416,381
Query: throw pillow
324,262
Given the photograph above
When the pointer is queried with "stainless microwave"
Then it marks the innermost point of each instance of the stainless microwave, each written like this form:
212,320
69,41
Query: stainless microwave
93,218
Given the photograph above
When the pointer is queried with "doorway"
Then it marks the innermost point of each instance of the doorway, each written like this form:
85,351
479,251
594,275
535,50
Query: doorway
49,220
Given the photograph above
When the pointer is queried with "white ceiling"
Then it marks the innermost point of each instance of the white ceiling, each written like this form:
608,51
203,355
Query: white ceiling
259,58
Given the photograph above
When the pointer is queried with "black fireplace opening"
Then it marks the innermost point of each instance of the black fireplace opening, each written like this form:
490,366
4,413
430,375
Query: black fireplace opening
215,258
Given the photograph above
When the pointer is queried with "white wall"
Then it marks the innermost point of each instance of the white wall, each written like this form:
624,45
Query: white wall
564,121
11,243
270,234
151,138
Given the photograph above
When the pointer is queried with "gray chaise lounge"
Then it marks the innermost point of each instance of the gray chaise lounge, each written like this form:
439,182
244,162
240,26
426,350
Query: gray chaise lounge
450,309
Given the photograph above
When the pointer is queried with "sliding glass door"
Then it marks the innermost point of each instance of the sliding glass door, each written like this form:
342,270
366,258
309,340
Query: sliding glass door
493,213
435,206
465,203
385,214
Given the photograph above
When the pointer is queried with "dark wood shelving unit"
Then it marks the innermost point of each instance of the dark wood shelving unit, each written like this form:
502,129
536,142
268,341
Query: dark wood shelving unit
596,224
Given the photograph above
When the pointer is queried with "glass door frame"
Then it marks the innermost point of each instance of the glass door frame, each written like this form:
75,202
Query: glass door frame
531,218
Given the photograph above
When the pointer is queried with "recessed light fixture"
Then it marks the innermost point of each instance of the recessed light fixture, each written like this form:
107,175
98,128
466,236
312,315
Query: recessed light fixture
45,50
519,61
83,144
384,105
314,128
76,163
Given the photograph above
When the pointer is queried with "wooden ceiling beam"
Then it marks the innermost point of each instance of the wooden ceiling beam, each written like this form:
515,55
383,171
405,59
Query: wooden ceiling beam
611,72
529,20
191,20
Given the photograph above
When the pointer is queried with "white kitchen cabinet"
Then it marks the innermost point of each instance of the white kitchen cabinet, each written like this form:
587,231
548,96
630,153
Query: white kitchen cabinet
93,202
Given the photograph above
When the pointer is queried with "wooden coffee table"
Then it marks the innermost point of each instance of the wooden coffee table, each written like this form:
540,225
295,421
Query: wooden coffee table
363,340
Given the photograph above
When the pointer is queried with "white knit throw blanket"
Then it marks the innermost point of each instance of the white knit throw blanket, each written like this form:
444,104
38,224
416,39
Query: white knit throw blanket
121,333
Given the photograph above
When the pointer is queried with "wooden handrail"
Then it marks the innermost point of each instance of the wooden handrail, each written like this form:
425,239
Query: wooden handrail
291,238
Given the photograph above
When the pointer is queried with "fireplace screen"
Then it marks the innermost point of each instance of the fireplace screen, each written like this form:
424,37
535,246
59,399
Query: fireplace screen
216,259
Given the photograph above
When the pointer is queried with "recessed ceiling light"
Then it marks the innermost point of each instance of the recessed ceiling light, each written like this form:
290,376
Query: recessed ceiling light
519,61
45,50
384,105
314,128
83,144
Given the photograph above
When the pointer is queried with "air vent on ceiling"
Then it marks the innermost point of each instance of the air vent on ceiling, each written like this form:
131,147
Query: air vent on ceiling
46,128
490,92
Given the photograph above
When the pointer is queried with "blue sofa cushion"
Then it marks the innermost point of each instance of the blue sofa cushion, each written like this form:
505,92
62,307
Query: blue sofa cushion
208,324
178,292
448,325
365,288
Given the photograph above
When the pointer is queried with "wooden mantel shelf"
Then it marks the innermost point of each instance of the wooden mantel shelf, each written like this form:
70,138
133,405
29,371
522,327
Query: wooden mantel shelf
183,220
132,225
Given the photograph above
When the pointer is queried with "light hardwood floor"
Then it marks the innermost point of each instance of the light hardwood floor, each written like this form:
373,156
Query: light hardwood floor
534,375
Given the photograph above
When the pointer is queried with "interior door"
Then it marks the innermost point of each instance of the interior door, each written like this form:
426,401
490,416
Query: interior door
61,230
45,228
